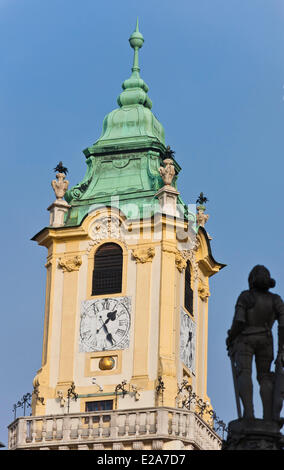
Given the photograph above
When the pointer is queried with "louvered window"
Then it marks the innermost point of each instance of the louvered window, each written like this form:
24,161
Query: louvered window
188,292
107,274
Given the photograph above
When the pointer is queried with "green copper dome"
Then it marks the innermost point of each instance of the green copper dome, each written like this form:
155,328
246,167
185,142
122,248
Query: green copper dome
133,122
123,166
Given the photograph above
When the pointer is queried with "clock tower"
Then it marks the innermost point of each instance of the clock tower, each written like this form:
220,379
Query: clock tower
124,359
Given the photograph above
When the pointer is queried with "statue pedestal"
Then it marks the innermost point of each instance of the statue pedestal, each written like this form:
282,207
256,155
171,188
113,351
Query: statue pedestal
254,434
57,211
167,196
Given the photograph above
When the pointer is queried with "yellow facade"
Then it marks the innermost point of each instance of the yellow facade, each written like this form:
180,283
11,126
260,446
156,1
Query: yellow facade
154,261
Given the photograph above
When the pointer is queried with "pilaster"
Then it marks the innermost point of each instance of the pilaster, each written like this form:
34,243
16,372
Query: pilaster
68,323
143,256
167,346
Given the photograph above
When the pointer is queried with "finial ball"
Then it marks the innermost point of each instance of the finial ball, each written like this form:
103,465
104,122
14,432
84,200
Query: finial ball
136,40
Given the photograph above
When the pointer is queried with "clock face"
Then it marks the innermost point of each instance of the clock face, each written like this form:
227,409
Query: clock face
105,324
187,340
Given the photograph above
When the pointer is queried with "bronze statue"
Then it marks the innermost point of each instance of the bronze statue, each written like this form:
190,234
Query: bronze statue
251,336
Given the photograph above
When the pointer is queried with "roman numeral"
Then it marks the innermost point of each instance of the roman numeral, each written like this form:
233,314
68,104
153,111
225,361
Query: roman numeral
106,304
120,332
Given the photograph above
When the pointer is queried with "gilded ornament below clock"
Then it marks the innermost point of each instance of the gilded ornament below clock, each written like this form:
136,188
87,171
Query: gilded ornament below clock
107,363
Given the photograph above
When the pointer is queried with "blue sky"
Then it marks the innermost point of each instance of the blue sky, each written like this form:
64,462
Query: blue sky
215,72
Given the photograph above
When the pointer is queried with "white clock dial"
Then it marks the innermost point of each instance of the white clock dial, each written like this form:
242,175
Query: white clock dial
105,324
187,340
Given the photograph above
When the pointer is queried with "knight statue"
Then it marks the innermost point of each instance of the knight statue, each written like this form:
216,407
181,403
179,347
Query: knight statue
251,336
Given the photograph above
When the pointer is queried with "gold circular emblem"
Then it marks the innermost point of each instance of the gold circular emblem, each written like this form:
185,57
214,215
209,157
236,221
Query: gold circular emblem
107,363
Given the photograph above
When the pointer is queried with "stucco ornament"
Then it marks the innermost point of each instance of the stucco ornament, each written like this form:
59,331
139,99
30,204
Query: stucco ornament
60,185
167,172
105,228
203,290
180,262
143,255
68,264
189,255
36,393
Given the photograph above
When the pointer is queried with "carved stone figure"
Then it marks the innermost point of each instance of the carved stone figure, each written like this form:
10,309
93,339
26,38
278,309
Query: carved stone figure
60,185
201,218
59,207
250,336
168,171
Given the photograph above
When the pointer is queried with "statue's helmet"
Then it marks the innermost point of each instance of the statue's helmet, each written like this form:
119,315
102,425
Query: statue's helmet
259,278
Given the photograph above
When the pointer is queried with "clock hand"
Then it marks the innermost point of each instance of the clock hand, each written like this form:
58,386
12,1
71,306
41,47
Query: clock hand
189,338
108,335
111,316
109,338
104,325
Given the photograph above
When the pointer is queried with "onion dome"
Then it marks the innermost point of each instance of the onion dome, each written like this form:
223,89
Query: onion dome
133,123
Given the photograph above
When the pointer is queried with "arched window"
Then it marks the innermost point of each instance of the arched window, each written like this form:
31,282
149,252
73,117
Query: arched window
188,292
107,274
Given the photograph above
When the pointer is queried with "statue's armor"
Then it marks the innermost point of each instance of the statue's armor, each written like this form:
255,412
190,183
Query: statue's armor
255,314
258,310
262,313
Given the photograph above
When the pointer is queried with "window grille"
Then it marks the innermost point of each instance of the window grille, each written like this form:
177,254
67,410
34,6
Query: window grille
107,274
188,292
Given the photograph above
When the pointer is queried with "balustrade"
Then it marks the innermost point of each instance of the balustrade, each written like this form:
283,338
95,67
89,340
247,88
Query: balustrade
95,428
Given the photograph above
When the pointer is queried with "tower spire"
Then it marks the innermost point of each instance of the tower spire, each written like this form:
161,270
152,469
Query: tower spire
134,88
132,123
136,42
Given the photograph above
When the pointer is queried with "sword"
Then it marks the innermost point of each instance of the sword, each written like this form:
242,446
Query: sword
278,394
237,395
